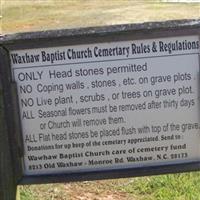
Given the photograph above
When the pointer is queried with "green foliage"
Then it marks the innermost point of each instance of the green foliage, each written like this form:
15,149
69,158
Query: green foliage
26,193
168,187
183,186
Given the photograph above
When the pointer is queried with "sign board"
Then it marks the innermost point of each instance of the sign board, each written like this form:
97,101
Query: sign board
108,106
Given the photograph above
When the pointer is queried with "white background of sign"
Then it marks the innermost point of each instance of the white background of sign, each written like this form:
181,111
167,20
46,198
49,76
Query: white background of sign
146,115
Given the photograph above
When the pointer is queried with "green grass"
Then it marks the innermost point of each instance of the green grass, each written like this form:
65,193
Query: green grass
184,186
26,194
166,187
44,192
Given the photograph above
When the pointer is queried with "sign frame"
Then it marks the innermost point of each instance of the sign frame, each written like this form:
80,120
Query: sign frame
77,37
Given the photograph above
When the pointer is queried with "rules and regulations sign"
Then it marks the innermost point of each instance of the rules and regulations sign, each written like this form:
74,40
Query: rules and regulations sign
109,105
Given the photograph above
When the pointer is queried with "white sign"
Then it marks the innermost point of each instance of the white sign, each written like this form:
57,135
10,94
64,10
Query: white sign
109,105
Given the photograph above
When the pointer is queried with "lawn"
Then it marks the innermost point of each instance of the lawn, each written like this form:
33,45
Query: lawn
33,15
164,187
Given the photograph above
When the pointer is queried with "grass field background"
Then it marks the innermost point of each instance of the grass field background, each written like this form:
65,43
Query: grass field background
29,15
33,15
164,187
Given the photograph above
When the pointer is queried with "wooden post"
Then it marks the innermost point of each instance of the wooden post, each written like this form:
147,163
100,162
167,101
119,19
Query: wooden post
8,183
